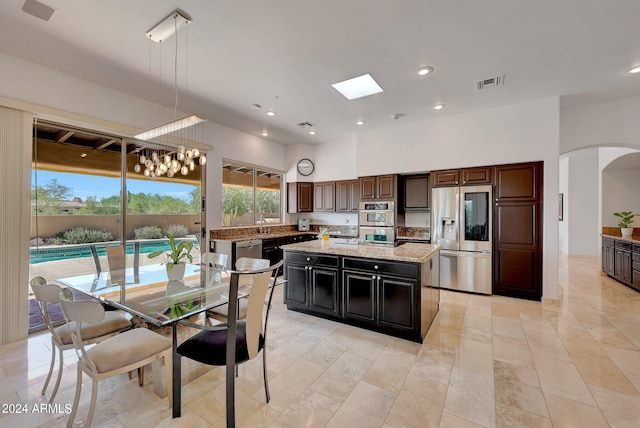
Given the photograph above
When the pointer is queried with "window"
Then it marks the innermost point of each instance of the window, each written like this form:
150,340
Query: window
250,194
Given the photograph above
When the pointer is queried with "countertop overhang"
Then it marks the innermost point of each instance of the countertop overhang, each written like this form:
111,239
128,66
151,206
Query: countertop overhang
622,238
409,252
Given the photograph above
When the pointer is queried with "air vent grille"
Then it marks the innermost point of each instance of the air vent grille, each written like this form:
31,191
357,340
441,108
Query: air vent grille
491,82
305,124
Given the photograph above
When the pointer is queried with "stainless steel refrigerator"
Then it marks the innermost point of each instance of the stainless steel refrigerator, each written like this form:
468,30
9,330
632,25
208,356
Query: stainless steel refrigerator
462,223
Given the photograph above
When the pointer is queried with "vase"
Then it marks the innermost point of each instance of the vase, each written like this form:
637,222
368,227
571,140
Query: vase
627,231
176,271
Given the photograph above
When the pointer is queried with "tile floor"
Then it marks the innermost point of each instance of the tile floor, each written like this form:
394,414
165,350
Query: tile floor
486,361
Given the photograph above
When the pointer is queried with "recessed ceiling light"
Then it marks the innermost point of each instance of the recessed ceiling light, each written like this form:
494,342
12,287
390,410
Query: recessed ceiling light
438,106
358,87
634,70
271,113
360,122
423,71
265,133
312,132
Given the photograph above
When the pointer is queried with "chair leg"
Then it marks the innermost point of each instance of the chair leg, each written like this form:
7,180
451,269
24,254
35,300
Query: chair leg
76,398
264,368
92,408
53,363
140,376
55,388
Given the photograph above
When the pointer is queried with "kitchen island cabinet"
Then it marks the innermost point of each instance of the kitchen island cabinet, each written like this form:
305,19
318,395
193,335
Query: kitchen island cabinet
392,290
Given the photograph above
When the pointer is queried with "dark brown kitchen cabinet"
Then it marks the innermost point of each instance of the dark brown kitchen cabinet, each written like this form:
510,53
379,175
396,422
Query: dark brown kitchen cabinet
299,197
608,256
347,195
449,177
324,196
621,261
415,195
477,176
378,187
517,255
312,283
635,267
359,291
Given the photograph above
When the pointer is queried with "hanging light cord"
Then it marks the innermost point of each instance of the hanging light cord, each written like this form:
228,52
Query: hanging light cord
175,68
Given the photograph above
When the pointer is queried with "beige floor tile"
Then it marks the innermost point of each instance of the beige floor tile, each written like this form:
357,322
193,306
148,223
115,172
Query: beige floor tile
510,327
570,413
311,410
620,410
511,348
367,406
508,416
563,379
507,371
474,355
434,363
390,369
419,404
452,421
471,396
521,396
627,361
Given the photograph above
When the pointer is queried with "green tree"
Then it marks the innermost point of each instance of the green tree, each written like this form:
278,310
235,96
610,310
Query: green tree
235,202
268,201
49,198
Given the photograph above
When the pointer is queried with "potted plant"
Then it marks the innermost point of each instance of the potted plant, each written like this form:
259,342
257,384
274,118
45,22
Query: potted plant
625,223
178,253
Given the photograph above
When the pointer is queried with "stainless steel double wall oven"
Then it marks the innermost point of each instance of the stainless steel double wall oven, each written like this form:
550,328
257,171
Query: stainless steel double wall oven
377,222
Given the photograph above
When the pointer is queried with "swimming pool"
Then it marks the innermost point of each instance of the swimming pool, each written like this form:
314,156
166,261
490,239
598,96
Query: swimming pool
48,254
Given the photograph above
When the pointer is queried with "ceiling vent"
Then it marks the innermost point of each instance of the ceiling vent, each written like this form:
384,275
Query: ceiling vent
305,124
487,83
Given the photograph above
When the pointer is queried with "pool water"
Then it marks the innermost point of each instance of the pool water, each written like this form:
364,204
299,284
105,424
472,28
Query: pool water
49,254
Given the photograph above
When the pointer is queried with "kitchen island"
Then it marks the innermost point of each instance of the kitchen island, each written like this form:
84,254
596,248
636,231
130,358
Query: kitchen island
392,290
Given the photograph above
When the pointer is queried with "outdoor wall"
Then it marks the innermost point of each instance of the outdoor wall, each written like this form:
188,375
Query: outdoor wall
49,226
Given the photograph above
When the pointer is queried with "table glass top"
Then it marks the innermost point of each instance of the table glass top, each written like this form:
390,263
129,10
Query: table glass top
157,299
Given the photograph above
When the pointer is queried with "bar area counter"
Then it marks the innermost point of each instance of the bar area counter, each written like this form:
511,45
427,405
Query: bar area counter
392,290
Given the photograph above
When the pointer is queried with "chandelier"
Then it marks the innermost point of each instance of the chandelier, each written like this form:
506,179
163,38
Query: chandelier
165,162
154,163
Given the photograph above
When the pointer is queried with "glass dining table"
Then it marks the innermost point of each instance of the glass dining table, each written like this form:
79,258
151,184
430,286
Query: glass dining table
161,302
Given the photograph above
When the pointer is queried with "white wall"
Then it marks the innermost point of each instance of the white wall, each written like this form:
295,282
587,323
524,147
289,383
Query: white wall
563,188
608,123
583,203
620,192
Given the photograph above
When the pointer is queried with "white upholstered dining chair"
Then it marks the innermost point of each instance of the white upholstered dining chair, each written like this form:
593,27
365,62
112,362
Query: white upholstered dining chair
49,294
119,354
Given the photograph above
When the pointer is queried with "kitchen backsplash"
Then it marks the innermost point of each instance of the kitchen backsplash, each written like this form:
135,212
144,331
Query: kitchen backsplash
234,232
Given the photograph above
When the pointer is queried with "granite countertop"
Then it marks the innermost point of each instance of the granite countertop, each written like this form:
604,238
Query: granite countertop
633,240
271,235
409,252
412,238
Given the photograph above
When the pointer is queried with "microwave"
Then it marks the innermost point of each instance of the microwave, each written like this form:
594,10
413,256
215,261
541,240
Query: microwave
377,214
377,235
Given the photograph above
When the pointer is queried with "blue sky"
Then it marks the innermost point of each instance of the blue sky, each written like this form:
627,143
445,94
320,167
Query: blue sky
102,187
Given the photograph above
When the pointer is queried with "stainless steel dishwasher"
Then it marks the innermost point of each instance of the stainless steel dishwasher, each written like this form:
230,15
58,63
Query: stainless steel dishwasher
251,248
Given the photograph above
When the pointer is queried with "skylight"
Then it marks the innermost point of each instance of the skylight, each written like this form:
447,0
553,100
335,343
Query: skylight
358,87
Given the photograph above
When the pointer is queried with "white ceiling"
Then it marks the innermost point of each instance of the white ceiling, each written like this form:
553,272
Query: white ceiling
285,54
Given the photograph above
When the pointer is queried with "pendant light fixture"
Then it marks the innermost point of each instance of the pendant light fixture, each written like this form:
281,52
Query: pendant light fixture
182,160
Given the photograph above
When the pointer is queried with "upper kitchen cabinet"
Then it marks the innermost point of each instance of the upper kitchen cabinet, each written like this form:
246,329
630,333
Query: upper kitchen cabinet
324,196
415,195
476,176
447,177
462,177
347,195
299,197
378,187
517,244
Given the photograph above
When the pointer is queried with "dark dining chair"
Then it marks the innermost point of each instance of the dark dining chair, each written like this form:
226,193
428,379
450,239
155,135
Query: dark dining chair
211,345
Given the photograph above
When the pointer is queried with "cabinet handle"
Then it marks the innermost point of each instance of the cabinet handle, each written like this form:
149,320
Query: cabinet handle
375,267
378,277
306,268
310,267
373,277
308,259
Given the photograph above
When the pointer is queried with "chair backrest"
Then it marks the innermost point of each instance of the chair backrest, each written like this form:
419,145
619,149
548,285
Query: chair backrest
248,263
117,264
46,294
254,325
214,260
81,311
